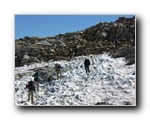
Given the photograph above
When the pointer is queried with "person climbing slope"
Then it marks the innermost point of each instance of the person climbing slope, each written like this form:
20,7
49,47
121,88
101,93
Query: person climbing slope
58,68
31,89
36,80
86,65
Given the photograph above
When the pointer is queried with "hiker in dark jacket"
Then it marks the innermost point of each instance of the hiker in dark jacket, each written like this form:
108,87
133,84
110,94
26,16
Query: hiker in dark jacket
31,89
57,68
86,65
36,80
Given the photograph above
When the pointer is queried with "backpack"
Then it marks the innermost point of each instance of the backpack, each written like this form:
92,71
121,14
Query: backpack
57,67
86,62
36,77
31,86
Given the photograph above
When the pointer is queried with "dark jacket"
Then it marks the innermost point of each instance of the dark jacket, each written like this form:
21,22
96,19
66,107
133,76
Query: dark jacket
87,62
57,67
36,77
31,86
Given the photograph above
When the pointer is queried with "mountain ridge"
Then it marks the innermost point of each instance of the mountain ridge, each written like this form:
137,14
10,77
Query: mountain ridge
117,38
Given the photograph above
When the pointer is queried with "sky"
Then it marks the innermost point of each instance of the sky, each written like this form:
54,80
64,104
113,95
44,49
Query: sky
52,25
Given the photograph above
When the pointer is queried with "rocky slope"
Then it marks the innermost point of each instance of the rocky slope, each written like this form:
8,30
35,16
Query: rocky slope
117,37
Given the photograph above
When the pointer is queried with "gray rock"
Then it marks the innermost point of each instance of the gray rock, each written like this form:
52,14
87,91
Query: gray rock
123,51
130,56
56,42
25,49
34,52
119,33
125,34
130,61
103,103
25,57
106,29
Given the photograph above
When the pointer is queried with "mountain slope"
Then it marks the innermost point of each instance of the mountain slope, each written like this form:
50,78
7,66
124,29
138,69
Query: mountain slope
110,82
103,37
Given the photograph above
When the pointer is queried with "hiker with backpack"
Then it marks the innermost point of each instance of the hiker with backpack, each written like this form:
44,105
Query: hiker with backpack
57,68
36,80
86,65
31,89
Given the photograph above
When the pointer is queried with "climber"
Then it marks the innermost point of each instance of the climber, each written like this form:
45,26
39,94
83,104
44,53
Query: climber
86,65
36,80
31,89
57,68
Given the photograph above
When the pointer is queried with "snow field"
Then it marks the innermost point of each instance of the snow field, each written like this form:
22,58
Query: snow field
110,80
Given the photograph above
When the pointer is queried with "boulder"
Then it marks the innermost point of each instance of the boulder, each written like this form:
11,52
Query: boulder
25,59
106,29
56,42
121,19
123,51
43,52
25,49
81,51
100,36
103,103
19,54
34,59
125,34
130,56
34,52
130,61
119,33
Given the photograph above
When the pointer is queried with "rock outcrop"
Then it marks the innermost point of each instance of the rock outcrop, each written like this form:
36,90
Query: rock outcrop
127,52
117,37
